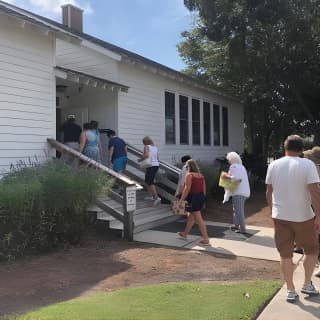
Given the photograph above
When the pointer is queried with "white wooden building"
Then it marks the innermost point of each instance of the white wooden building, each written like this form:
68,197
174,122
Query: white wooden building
49,70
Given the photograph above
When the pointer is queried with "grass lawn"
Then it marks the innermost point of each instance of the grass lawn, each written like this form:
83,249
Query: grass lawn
166,301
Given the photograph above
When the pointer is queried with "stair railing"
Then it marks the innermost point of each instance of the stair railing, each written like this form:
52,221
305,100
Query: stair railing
129,189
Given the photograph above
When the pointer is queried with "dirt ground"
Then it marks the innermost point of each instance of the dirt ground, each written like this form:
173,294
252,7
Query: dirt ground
106,262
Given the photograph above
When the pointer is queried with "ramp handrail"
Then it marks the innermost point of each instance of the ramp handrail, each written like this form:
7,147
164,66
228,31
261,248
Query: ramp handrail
119,177
130,186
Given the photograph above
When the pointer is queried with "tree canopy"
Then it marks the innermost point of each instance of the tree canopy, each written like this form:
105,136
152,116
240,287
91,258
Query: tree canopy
268,53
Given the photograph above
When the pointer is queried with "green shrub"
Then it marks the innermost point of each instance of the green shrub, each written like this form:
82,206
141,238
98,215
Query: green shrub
211,175
44,206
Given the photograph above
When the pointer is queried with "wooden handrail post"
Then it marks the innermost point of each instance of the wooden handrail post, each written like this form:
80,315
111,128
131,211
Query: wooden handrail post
129,206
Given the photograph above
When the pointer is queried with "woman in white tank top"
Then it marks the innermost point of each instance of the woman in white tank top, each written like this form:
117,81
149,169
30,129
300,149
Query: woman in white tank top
150,150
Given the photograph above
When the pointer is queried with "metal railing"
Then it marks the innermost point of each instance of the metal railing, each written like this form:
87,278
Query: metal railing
129,189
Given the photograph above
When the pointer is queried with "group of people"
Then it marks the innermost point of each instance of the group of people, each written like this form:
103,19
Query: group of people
192,188
88,142
292,193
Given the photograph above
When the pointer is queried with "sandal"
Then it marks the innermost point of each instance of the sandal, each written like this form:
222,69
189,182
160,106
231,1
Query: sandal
181,236
204,243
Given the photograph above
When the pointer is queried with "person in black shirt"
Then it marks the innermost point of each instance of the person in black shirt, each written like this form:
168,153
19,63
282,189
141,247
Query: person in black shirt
71,136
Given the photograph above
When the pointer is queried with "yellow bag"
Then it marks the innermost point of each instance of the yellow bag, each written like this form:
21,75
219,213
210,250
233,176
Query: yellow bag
177,210
228,184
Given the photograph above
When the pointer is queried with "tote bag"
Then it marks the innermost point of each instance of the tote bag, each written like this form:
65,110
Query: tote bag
228,184
145,163
177,211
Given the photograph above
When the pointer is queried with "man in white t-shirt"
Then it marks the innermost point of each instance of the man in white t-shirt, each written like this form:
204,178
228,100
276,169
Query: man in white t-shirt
292,186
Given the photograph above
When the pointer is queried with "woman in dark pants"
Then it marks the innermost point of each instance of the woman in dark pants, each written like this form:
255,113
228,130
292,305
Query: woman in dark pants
151,151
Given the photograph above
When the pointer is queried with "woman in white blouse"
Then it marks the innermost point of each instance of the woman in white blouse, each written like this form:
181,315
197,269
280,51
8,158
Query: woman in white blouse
238,172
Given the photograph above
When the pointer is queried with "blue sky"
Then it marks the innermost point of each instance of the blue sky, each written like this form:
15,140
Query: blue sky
150,28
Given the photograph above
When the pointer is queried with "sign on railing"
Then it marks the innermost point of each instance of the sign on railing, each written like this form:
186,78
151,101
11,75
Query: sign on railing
131,198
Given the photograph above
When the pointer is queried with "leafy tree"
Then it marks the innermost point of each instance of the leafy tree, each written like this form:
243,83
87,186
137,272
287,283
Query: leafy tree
266,52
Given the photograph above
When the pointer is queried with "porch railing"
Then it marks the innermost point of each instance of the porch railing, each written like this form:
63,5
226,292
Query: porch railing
129,189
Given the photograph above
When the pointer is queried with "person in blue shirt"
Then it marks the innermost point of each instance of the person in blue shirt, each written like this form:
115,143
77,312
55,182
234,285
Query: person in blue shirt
117,152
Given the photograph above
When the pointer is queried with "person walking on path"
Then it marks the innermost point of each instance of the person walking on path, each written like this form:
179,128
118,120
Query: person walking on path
182,176
292,186
194,192
71,138
117,152
237,172
314,155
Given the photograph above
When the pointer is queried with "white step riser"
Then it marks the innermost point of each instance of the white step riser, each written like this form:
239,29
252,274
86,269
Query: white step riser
148,220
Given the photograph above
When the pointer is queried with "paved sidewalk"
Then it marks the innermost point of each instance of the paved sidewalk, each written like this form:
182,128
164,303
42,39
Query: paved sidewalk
258,246
305,308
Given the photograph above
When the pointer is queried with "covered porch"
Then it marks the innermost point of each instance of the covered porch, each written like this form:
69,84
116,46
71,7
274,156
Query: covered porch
88,98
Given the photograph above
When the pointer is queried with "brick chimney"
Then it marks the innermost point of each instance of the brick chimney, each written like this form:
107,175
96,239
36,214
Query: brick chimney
72,17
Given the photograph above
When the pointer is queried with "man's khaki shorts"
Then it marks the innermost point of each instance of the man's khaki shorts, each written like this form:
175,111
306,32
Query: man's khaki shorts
287,233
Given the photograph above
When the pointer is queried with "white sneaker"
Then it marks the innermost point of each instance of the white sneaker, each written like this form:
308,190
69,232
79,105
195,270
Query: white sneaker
156,202
310,289
291,296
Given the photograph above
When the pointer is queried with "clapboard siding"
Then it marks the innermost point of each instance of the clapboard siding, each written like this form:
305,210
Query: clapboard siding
14,129
17,98
27,92
85,60
24,107
142,112
12,137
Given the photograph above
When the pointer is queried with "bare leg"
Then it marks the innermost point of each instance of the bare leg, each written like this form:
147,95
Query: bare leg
287,271
189,225
153,191
202,226
309,264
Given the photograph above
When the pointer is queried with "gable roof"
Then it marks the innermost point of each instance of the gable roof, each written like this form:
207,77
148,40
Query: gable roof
125,54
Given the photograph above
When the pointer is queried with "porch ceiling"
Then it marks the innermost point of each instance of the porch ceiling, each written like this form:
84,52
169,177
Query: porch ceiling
89,80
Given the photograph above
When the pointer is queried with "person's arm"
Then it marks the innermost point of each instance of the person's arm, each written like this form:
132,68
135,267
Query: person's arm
269,195
100,147
186,189
314,189
204,187
111,150
83,140
145,154
182,177
229,175
225,175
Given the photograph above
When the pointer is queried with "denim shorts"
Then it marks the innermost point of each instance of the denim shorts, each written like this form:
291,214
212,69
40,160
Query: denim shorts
119,164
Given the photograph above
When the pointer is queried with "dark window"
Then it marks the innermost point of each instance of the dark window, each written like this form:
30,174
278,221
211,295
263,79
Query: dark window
184,120
206,124
170,118
195,121
216,125
225,126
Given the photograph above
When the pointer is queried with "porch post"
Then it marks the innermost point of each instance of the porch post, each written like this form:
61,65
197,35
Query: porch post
129,206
